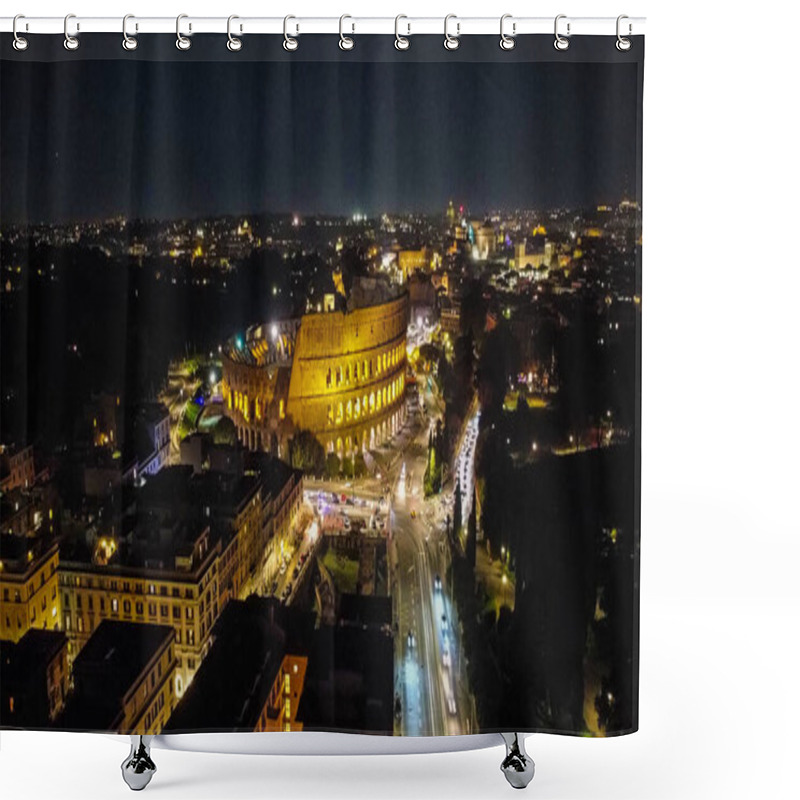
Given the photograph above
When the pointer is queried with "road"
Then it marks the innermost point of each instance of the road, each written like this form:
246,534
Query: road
429,673
465,464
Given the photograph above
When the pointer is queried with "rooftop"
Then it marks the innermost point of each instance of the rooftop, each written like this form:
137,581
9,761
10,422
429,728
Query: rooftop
234,681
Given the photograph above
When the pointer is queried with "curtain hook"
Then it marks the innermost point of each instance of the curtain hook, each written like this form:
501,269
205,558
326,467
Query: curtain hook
234,43
129,42
451,42
561,43
70,42
20,42
182,42
345,42
289,42
401,42
623,43
507,42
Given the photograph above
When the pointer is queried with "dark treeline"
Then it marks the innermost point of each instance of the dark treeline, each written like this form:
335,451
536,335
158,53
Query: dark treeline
572,550
78,321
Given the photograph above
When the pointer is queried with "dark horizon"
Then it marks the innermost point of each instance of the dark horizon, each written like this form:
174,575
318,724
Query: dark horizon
483,213
317,139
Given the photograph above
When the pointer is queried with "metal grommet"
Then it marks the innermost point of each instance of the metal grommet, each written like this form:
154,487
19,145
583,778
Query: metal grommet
401,42
507,42
234,44
451,42
345,42
20,42
182,42
70,42
289,43
128,42
561,43
623,44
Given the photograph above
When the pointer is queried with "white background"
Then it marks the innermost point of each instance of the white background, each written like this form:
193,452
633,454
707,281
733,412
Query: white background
720,545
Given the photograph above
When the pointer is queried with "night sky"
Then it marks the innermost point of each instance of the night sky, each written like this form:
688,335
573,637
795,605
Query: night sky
89,139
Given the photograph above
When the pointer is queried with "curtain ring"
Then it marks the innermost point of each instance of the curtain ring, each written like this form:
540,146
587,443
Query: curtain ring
182,42
345,42
234,44
20,42
451,42
70,42
561,43
401,42
507,42
289,42
623,44
128,42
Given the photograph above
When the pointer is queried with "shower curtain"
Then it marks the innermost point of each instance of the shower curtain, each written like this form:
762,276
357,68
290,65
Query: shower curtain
320,385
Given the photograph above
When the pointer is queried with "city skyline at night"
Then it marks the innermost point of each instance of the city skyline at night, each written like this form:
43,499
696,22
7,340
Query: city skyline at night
379,468
544,127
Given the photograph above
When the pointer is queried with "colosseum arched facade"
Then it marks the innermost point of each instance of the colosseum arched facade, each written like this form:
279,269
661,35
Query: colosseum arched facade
339,374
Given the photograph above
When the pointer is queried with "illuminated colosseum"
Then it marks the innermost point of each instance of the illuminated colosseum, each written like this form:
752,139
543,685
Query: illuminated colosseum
339,373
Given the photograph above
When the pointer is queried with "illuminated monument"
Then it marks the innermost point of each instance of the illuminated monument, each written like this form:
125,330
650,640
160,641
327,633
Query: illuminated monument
339,373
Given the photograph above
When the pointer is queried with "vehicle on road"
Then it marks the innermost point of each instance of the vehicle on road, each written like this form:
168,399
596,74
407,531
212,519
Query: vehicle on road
412,640
437,582
446,658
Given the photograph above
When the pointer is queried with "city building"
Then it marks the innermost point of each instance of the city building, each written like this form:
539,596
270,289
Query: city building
350,680
124,680
540,254
282,491
103,416
411,261
17,469
450,318
151,427
485,243
254,675
34,679
29,591
162,573
339,374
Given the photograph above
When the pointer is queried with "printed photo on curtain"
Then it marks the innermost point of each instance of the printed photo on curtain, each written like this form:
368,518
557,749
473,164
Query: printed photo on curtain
320,402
